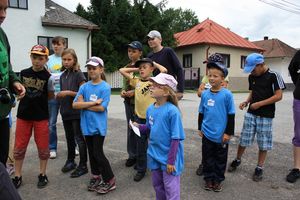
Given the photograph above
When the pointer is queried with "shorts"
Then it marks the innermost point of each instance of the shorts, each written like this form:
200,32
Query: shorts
259,126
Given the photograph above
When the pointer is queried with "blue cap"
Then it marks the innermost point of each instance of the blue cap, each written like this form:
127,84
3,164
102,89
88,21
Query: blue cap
216,60
252,60
136,45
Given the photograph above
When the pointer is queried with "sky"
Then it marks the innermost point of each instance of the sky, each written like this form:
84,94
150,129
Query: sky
248,18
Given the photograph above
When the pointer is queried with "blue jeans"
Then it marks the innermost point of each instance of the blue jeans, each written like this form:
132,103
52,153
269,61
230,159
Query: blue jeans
53,106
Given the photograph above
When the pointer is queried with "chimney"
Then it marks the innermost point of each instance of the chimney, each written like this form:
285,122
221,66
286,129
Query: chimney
266,37
246,38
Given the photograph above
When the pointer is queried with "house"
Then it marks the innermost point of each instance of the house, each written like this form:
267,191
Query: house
198,43
278,56
29,22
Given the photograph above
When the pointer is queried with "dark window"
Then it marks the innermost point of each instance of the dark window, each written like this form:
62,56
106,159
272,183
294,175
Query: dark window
187,60
243,60
226,58
47,41
23,4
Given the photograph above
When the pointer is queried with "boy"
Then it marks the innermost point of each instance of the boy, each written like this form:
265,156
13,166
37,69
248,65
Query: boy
216,125
135,51
265,89
54,65
33,115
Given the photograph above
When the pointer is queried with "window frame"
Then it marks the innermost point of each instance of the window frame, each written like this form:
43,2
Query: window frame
49,42
243,60
18,4
226,56
187,57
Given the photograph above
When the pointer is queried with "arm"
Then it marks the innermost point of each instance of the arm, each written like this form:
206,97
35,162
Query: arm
245,103
172,155
70,93
201,89
86,105
294,67
161,68
273,99
126,72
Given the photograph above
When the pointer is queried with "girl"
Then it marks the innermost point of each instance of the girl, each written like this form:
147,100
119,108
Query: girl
70,81
93,98
165,151
142,99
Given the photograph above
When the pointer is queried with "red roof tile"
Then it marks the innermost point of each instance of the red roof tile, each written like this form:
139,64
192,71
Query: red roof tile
275,48
209,32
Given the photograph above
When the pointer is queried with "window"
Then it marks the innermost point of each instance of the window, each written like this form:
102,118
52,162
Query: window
47,41
22,4
187,60
226,58
243,60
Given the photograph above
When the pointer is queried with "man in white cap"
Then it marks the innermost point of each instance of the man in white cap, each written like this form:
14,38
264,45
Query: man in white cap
167,58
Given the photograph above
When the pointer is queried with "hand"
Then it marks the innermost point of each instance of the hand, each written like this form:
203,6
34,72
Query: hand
20,89
179,95
99,101
226,138
136,124
62,94
255,106
243,105
123,93
130,93
80,99
200,134
170,168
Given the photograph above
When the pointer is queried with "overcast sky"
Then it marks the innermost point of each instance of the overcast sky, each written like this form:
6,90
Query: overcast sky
247,18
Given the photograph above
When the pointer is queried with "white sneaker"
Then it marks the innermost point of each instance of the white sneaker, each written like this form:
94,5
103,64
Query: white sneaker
76,151
52,154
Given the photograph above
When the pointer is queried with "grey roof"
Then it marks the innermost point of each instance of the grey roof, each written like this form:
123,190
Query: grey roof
59,16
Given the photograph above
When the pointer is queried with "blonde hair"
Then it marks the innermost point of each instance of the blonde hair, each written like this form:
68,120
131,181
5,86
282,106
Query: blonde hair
172,98
76,66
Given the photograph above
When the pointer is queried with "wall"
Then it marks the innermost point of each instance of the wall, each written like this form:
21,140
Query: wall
280,65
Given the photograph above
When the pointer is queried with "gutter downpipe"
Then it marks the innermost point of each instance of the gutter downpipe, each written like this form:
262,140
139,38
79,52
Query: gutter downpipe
207,57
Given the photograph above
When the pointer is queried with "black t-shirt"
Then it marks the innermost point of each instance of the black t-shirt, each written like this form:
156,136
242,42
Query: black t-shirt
264,87
294,70
34,105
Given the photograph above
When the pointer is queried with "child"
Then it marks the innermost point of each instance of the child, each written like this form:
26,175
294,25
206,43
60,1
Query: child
10,164
142,100
70,81
216,125
33,114
93,98
265,89
135,51
165,150
54,65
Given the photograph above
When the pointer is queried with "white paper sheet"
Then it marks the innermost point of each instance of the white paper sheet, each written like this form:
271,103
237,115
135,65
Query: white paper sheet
135,129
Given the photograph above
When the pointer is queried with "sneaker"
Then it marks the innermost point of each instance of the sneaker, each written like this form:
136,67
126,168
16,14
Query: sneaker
139,176
94,183
258,174
199,171
79,171
106,187
69,166
293,175
17,181
53,154
130,162
217,187
234,164
43,181
10,169
208,186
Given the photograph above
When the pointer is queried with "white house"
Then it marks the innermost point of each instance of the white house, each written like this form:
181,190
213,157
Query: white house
30,22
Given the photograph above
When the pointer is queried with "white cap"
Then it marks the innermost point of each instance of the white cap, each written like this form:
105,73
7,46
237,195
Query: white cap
95,61
154,34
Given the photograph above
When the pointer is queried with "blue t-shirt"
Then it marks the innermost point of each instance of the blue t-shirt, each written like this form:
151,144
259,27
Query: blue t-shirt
165,124
94,122
215,108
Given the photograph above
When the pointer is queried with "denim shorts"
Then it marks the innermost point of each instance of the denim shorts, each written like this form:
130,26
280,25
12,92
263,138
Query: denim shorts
259,126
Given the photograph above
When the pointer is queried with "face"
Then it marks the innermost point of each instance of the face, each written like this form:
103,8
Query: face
145,70
258,70
157,91
3,7
68,61
38,61
154,42
215,78
58,47
94,72
134,54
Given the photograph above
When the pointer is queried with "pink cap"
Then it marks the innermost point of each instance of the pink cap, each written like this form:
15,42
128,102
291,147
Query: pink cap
165,79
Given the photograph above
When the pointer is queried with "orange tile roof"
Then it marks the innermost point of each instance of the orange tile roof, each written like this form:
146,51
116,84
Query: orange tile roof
275,48
209,32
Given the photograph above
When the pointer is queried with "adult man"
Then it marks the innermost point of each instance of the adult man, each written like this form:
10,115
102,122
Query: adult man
8,83
167,58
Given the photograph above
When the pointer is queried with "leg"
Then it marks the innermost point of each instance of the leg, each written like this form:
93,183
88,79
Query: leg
93,163
172,186
70,139
80,142
240,152
158,184
142,144
131,139
208,159
221,155
53,107
4,140
297,157
261,158
296,139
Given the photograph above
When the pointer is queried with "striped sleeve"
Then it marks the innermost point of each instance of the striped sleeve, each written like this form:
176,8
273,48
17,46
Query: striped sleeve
278,82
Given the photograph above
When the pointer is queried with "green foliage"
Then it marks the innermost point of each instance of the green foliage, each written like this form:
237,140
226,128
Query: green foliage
122,21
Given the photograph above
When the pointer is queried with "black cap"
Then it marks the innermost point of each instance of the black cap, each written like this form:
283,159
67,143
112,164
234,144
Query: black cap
136,45
143,60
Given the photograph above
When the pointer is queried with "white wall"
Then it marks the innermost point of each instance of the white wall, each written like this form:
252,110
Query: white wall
280,65
24,26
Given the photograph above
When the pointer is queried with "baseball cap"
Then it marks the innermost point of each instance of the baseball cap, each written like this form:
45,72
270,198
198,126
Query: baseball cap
216,60
154,34
94,61
252,60
39,50
143,60
136,45
165,79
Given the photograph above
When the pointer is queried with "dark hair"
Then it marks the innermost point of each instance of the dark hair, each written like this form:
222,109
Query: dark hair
59,39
